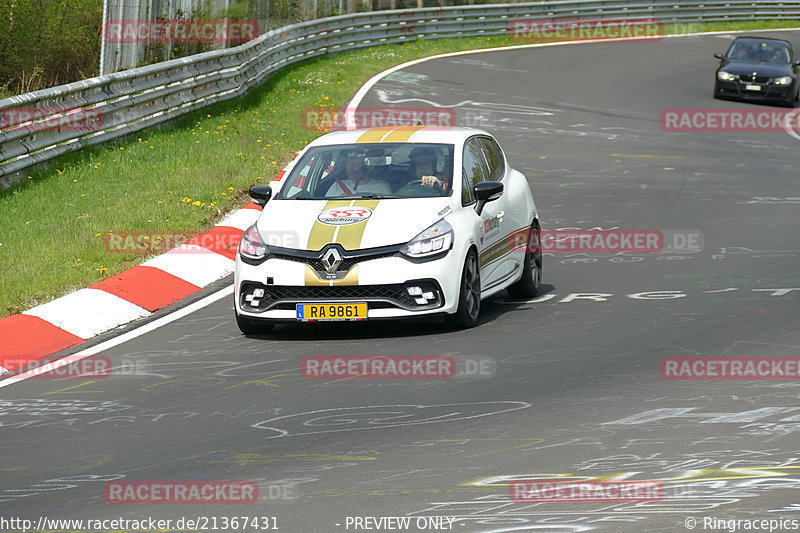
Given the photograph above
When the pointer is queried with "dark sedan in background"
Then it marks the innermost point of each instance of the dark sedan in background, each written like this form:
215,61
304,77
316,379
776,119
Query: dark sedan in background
758,69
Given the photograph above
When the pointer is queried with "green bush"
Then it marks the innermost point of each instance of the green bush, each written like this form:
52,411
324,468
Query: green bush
48,43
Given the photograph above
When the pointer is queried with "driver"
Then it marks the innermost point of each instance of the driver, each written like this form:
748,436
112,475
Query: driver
742,53
357,179
423,168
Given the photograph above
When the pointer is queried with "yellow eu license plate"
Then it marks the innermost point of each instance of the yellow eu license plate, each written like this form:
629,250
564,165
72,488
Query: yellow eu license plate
332,311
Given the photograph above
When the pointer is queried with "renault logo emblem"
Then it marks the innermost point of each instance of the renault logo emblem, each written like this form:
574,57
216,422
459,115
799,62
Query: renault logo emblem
331,260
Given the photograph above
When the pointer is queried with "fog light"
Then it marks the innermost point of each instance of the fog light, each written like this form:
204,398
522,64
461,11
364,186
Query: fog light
414,291
428,296
421,301
254,299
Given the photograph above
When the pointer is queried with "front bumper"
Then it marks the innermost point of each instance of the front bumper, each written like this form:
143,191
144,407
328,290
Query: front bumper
272,289
767,92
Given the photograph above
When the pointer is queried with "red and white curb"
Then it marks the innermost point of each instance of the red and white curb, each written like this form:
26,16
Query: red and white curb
133,294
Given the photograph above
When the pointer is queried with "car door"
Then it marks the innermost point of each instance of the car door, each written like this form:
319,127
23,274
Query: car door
512,218
492,244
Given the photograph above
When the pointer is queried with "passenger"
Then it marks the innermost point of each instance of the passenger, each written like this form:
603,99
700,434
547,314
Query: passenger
357,179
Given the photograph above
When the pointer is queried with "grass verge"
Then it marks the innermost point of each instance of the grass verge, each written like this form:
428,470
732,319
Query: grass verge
54,224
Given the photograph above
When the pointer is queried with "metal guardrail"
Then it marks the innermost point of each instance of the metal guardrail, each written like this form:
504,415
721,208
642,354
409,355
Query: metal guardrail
121,103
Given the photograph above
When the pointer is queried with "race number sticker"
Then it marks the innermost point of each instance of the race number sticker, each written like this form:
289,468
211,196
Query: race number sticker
341,216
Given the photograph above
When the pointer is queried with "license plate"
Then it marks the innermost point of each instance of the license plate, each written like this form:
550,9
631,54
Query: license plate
332,311
753,87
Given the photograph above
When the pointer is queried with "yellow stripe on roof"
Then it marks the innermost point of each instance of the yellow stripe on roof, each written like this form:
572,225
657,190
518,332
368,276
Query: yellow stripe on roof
401,134
374,135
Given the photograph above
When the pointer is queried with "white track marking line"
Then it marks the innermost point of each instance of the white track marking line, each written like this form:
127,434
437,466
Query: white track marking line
125,337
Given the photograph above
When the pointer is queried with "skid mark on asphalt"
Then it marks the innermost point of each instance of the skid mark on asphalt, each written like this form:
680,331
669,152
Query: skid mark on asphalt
380,416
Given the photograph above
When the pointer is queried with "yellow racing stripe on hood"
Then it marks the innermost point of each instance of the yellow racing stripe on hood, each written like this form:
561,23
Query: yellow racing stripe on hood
322,234
350,236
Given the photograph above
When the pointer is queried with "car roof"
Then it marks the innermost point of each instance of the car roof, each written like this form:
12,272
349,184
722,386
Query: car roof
751,38
400,134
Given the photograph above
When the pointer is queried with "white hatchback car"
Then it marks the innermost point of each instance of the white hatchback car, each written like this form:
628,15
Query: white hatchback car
371,224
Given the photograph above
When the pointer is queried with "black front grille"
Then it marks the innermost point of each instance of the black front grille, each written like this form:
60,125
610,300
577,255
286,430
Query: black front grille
760,80
285,297
346,264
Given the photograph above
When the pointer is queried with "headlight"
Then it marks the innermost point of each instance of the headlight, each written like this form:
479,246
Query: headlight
783,80
434,240
725,76
252,246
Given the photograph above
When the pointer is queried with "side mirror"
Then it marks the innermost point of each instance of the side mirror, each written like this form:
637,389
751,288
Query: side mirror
719,56
485,192
261,194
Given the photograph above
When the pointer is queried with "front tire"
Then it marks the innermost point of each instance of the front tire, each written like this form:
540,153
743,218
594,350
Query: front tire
531,280
469,295
250,326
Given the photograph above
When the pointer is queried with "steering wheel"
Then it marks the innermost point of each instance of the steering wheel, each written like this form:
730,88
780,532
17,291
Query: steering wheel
438,186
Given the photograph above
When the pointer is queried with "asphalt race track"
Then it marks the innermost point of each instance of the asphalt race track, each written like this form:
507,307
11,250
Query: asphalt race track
570,385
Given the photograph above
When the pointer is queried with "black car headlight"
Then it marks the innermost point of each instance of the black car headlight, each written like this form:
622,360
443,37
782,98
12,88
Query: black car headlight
725,76
434,240
252,245
783,80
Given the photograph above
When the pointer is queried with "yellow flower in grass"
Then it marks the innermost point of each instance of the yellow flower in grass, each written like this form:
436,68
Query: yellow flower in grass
101,269
196,202
231,189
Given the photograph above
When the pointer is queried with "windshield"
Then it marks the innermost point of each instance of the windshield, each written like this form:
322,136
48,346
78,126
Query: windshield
373,170
769,52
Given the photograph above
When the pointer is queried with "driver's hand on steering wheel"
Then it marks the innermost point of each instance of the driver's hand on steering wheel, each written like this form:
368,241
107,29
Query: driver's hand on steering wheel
432,181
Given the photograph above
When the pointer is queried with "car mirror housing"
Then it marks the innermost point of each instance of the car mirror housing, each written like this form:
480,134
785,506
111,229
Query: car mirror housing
719,56
486,191
261,194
